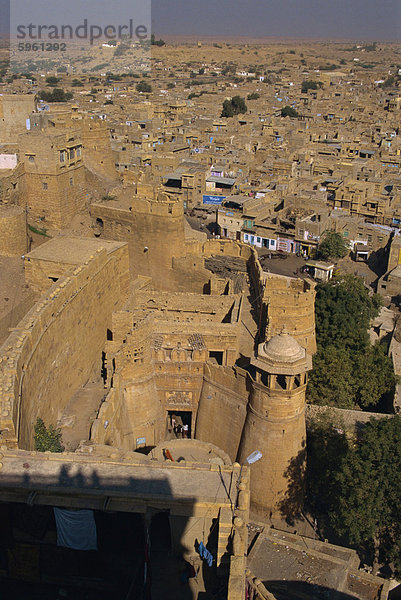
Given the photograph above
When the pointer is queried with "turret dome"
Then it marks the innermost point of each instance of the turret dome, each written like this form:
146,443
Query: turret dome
283,348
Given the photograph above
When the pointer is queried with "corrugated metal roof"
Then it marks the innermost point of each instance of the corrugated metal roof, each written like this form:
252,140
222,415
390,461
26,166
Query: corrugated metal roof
223,180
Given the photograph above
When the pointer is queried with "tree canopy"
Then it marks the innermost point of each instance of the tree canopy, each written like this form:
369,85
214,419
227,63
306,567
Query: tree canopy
288,111
366,510
327,445
344,310
52,81
235,106
356,485
57,95
333,245
309,84
348,371
47,438
155,42
143,86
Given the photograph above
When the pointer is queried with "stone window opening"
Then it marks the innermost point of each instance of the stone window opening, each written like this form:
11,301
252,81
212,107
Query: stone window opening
281,382
217,355
98,227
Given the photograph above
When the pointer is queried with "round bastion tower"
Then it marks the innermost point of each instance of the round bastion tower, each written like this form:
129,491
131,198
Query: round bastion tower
275,425
13,233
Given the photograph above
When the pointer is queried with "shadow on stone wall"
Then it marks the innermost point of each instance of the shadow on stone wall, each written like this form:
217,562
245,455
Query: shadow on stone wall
291,505
116,569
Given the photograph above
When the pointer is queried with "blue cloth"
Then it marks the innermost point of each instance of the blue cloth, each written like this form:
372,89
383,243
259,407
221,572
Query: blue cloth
76,529
205,554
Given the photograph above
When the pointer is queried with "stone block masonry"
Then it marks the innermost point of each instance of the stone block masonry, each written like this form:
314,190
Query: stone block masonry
13,232
48,357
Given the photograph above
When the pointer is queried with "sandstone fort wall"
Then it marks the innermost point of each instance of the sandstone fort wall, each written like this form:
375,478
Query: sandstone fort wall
47,358
13,231
222,408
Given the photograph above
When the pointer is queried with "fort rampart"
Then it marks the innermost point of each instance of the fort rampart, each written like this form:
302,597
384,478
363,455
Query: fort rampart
42,362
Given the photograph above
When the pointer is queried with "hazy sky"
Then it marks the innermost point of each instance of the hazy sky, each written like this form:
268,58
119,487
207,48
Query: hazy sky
353,19
347,19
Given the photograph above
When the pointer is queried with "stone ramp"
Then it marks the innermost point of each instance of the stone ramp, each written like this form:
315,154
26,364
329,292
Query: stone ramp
79,414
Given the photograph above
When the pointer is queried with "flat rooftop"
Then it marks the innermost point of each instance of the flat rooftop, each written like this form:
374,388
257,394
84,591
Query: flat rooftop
293,567
71,250
73,474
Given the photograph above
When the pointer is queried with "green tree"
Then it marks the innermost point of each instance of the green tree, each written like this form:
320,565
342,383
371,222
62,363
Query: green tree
47,438
327,446
57,95
144,86
375,376
253,96
288,111
344,310
329,67
228,110
120,50
332,381
366,508
52,81
229,69
309,84
389,82
233,107
348,379
333,245
347,371
155,42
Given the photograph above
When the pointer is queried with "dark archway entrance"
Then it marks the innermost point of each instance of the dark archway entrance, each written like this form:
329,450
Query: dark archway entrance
180,423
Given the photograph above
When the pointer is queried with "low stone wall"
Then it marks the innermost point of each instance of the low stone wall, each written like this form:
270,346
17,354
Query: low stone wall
213,247
350,420
395,354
